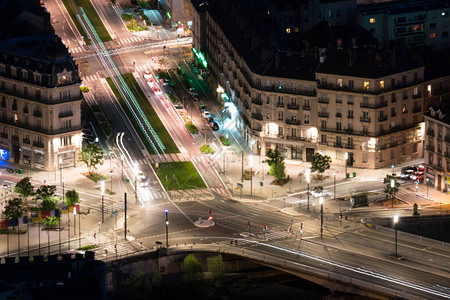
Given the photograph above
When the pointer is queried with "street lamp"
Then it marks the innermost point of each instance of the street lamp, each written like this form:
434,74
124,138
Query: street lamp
7,229
334,175
121,159
428,179
395,227
346,160
167,228
111,173
102,185
250,163
60,170
392,191
64,196
308,180
321,216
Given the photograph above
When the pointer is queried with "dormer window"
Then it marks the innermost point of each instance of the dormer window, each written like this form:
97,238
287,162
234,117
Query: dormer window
64,77
13,71
37,78
366,85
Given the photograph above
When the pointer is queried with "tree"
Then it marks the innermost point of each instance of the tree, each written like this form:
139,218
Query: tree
143,4
14,209
276,164
320,163
216,267
45,192
91,155
162,61
49,204
72,198
388,189
24,188
51,222
192,268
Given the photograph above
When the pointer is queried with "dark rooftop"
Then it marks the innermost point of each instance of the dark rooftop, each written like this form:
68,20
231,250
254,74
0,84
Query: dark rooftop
402,6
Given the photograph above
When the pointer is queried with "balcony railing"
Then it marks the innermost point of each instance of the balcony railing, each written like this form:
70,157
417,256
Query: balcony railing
292,122
4,135
26,141
365,119
65,114
15,138
324,100
350,102
257,102
293,106
306,107
38,144
257,116
323,114
382,118
430,132
373,106
430,148
280,104
349,146
338,145
349,116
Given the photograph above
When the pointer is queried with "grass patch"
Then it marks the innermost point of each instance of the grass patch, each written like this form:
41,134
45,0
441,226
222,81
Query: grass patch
95,20
224,141
206,149
136,27
145,18
179,175
95,177
106,129
153,118
127,17
75,20
192,128
87,247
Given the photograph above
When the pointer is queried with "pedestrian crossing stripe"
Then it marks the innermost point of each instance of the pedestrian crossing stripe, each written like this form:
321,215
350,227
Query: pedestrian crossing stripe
130,40
90,78
76,50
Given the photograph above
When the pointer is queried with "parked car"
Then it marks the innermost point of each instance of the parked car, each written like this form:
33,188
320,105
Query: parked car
202,108
165,81
215,126
140,175
191,90
196,97
319,191
148,75
418,176
407,172
178,106
206,114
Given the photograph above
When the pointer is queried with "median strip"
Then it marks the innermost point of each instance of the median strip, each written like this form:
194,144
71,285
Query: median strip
179,176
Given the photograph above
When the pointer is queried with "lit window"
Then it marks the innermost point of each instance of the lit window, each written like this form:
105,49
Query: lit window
432,35
366,85
381,85
288,30
429,90
297,29
339,82
372,20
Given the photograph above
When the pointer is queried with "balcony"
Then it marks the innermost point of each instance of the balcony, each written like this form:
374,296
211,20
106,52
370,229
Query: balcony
280,104
393,114
430,132
37,113
306,107
349,116
323,114
65,114
349,146
4,135
26,141
293,106
338,115
373,106
257,102
324,100
365,119
338,145
418,95
430,148
257,116
38,144
15,138
382,118
417,109
292,122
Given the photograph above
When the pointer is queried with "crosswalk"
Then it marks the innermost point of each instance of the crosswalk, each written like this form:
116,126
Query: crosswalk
77,50
90,78
142,68
130,40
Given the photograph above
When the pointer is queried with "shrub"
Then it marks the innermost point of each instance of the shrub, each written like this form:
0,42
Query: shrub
127,17
87,247
192,128
224,141
96,108
106,129
206,149
84,89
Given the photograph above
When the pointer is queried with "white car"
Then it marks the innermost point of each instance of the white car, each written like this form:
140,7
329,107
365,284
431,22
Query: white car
140,175
148,75
319,191
206,114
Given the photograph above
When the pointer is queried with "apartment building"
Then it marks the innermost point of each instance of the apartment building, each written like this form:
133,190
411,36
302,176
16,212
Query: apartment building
40,97
410,22
437,148
319,96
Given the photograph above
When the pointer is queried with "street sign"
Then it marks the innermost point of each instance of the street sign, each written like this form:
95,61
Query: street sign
261,183
114,213
240,185
127,180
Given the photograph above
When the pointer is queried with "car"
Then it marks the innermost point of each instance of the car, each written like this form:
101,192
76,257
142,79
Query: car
165,81
418,176
319,191
407,174
215,126
148,75
140,175
196,97
178,106
206,114
202,108
191,90
144,183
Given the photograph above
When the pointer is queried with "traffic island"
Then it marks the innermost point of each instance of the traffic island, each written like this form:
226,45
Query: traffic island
179,176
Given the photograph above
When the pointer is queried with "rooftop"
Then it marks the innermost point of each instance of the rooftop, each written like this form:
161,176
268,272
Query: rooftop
402,6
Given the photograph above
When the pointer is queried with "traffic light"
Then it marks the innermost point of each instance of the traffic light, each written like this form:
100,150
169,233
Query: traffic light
209,211
248,224
301,225
210,218
94,235
265,228
341,215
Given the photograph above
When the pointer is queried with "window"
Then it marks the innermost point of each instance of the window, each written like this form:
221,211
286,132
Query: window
288,30
381,85
280,100
324,124
293,132
392,153
280,131
338,98
14,89
338,126
25,92
429,90
404,110
432,25
339,82
38,94
350,99
267,100
416,91
350,84
365,158
350,141
393,114
37,78
306,103
350,114
306,119
67,124
66,140
338,140
366,85
323,138
381,128
372,20
432,35
430,157
280,116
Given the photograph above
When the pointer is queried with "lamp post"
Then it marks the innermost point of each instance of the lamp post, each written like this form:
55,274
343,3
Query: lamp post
7,229
427,185
60,170
346,160
321,216
308,180
334,191
395,227
102,185
121,159
250,163
111,173
167,228
392,191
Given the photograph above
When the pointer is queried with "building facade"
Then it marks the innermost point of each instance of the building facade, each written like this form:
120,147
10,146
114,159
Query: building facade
40,98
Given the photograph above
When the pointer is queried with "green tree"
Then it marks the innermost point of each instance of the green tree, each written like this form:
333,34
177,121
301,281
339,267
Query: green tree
14,209
320,163
162,61
216,267
51,222
24,188
388,189
276,164
45,192
143,4
72,198
192,268
91,155
49,204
